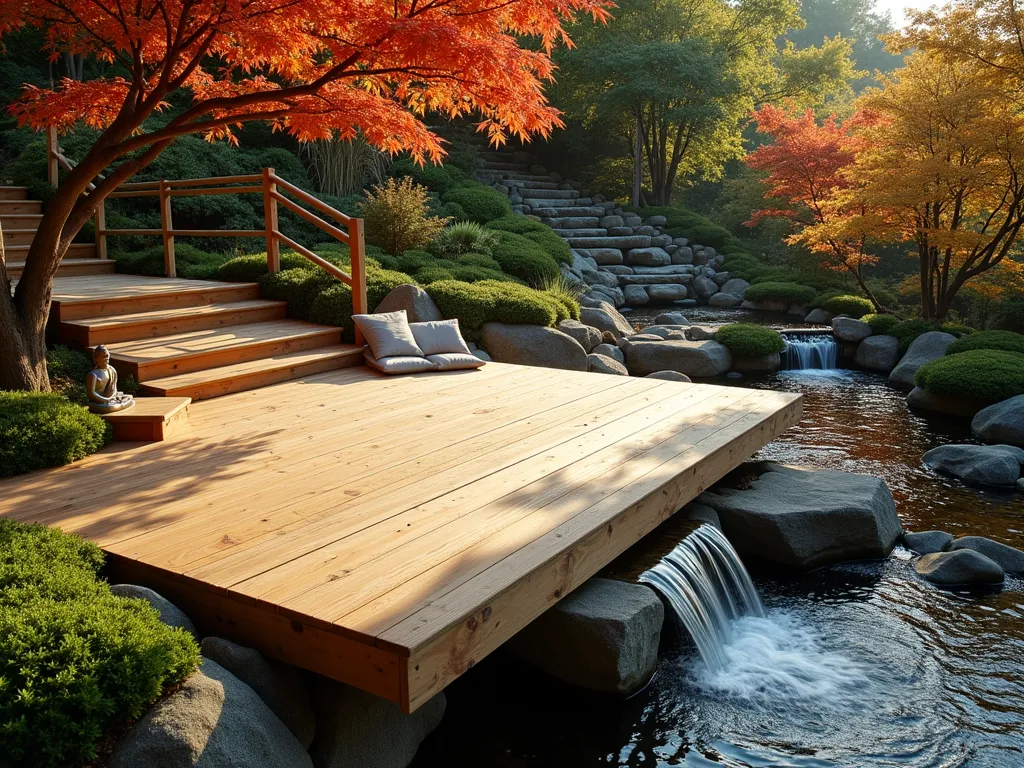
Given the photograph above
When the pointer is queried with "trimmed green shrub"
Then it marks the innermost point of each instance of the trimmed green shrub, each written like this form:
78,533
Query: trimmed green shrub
854,306
45,429
881,325
1007,341
523,258
988,375
67,369
749,340
1009,316
477,260
475,274
432,274
75,660
477,303
190,262
299,287
481,204
252,266
790,293
463,237
439,179
333,305
541,234
413,261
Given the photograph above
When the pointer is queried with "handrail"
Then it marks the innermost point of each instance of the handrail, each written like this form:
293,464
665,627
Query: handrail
54,159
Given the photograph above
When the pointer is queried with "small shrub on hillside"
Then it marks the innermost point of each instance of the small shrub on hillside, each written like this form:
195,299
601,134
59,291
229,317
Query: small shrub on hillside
333,305
980,374
299,287
1007,341
75,661
541,234
396,216
413,261
1009,316
45,429
190,262
749,340
432,274
523,258
881,325
854,306
477,260
567,293
477,303
463,237
252,266
791,293
476,274
481,204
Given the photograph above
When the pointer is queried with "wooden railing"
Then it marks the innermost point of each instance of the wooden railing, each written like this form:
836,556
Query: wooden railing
275,191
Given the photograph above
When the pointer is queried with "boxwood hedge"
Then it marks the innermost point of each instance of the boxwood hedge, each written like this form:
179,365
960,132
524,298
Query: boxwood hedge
750,340
854,306
487,301
988,375
45,429
1007,341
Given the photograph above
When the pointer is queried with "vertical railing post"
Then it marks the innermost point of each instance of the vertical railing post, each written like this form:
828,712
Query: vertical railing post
51,155
270,221
357,255
167,227
101,230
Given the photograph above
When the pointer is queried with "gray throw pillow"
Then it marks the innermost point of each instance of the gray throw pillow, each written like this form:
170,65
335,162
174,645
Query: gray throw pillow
439,337
399,363
455,361
388,334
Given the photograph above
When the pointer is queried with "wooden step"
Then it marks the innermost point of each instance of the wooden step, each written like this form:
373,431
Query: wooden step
128,294
13,193
12,221
256,373
17,237
20,206
163,356
69,267
151,419
90,331
75,251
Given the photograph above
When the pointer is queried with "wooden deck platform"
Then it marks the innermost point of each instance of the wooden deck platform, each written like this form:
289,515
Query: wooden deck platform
391,532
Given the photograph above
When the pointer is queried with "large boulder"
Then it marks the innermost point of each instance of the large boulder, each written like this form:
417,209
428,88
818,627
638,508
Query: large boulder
925,348
533,345
606,319
359,730
665,292
960,568
1010,560
725,300
281,686
610,350
675,376
735,285
759,364
414,300
922,399
805,519
170,614
606,256
927,542
587,336
635,295
997,465
697,359
213,720
603,637
705,287
877,353
602,364
848,329
1002,422
818,316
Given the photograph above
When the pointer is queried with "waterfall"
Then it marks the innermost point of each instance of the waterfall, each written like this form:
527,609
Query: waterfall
706,585
809,350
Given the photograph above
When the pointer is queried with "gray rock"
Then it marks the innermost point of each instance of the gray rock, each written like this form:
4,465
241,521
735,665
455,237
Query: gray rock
359,730
766,305
725,300
606,319
416,302
682,254
481,355
617,269
701,513
877,353
701,332
645,337
705,287
671,318
635,295
927,542
681,378
953,406
611,221
1020,485
533,345
806,518
770,362
649,257
609,350
997,465
586,336
848,329
698,359
603,364
735,285
606,255
1002,422
170,614
960,568
925,348
818,317
1009,559
657,221
213,720
281,686
663,292
602,637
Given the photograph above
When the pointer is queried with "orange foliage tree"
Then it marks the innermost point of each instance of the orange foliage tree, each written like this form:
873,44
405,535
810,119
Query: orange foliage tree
315,68
806,166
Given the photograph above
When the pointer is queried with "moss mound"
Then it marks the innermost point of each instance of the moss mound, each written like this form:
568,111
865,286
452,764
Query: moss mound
791,293
487,301
524,259
881,325
1007,341
45,429
749,340
480,204
987,375
854,306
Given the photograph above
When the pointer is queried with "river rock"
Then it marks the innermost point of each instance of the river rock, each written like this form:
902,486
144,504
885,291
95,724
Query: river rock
671,318
1002,422
921,398
281,686
1010,559
603,637
170,614
416,302
663,292
635,295
927,542
725,300
877,353
705,287
960,568
848,329
818,317
606,319
533,345
765,305
698,359
649,257
925,348
359,730
997,465
681,378
736,285
761,364
804,518
682,255
586,336
213,720
609,350
603,364
701,332
606,256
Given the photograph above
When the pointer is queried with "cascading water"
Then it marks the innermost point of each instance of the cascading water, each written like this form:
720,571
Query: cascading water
809,351
708,588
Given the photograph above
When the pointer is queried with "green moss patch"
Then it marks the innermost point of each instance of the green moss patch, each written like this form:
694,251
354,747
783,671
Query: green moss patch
987,375
1007,341
790,293
749,340
854,306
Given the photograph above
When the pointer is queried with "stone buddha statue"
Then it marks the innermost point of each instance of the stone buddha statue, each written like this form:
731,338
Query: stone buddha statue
101,385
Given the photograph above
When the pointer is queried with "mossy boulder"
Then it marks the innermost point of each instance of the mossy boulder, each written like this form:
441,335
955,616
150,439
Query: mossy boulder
983,375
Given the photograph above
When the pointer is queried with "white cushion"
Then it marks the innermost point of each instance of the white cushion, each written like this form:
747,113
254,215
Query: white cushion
399,363
455,361
388,334
439,337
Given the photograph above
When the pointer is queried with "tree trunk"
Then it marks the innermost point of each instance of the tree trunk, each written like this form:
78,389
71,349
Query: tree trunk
22,352
638,164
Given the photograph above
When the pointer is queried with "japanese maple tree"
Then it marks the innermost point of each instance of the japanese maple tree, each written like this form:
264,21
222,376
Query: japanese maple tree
313,68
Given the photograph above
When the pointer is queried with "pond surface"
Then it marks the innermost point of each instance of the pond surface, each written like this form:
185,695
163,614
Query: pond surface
859,666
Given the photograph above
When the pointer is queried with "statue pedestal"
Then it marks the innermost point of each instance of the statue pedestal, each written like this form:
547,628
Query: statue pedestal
151,419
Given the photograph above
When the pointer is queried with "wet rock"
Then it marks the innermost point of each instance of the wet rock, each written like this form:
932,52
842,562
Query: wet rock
997,465
609,350
701,513
705,287
635,295
818,317
669,376
960,568
953,406
698,359
848,329
649,257
725,300
877,353
603,364
602,637
760,364
925,348
735,285
671,318
927,542
663,292
170,614
416,302
533,345
606,319
1002,422
1009,559
806,518
586,336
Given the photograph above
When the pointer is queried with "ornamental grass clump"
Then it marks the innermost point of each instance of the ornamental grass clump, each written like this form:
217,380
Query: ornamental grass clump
986,375
396,216
45,429
749,340
463,237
